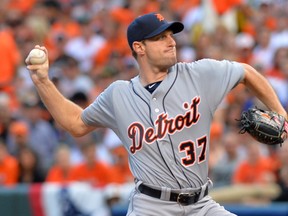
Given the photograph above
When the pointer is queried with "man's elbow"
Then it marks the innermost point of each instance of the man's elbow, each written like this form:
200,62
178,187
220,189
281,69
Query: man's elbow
79,132
80,128
250,73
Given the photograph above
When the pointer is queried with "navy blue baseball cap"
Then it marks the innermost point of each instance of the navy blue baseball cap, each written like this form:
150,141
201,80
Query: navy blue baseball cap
150,25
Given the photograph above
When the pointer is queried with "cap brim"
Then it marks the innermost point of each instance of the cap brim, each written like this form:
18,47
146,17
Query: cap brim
175,27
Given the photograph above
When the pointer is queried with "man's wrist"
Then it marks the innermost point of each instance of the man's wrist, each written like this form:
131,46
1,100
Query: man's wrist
41,82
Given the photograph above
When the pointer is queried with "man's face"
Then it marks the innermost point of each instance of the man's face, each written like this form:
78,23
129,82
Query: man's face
161,50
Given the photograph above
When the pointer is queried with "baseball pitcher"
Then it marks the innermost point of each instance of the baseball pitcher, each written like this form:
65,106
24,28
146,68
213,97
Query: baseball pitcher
162,116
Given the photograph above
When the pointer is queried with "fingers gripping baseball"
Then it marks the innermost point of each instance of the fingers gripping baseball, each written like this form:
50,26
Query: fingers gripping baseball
37,63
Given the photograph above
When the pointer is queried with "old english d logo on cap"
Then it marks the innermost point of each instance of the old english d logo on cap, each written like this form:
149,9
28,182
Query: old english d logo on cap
159,17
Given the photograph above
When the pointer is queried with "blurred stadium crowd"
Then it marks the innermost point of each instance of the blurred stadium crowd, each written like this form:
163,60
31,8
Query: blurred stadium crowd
86,40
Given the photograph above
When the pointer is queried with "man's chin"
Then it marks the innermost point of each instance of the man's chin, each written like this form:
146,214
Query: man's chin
173,61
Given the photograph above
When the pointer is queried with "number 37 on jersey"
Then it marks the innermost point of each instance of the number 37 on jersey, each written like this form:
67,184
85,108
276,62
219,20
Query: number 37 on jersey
164,125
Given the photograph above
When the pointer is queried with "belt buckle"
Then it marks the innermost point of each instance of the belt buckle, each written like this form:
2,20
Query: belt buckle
184,198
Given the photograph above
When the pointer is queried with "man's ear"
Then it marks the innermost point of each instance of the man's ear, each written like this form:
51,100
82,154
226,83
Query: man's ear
138,47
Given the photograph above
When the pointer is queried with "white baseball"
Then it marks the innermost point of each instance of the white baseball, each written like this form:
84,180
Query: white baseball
37,56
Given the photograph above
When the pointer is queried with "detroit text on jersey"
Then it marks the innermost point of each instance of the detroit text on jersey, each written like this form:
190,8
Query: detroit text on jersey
163,126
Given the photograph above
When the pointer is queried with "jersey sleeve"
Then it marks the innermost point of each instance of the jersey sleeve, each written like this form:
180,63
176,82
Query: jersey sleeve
100,113
217,78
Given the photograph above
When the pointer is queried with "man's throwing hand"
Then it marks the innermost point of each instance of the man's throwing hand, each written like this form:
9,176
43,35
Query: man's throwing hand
37,63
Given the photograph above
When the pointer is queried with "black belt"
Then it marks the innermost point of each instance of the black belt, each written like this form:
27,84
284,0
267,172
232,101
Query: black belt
181,198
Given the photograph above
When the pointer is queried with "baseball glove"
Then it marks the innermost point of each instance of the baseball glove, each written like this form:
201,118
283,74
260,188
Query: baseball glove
266,127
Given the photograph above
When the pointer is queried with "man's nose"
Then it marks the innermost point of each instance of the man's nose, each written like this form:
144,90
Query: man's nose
172,41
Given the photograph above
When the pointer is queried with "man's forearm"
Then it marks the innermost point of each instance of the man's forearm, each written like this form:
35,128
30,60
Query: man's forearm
262,89
65,112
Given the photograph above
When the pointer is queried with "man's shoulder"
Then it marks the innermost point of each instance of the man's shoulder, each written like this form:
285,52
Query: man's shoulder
206,63
195,64
197,61
119,84
202,61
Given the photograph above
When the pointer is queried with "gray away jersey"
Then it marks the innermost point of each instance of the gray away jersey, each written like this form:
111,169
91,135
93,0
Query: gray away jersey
166,133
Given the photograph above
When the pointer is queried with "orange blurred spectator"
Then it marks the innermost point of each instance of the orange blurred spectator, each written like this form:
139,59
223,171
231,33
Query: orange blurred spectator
92,171
62,29
19,127
9,171
279,58
22,5
274,160
10,58
216,130
182,6
216,149
255,169
125,15
19,134
121,165
60,171
222,7
115,44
